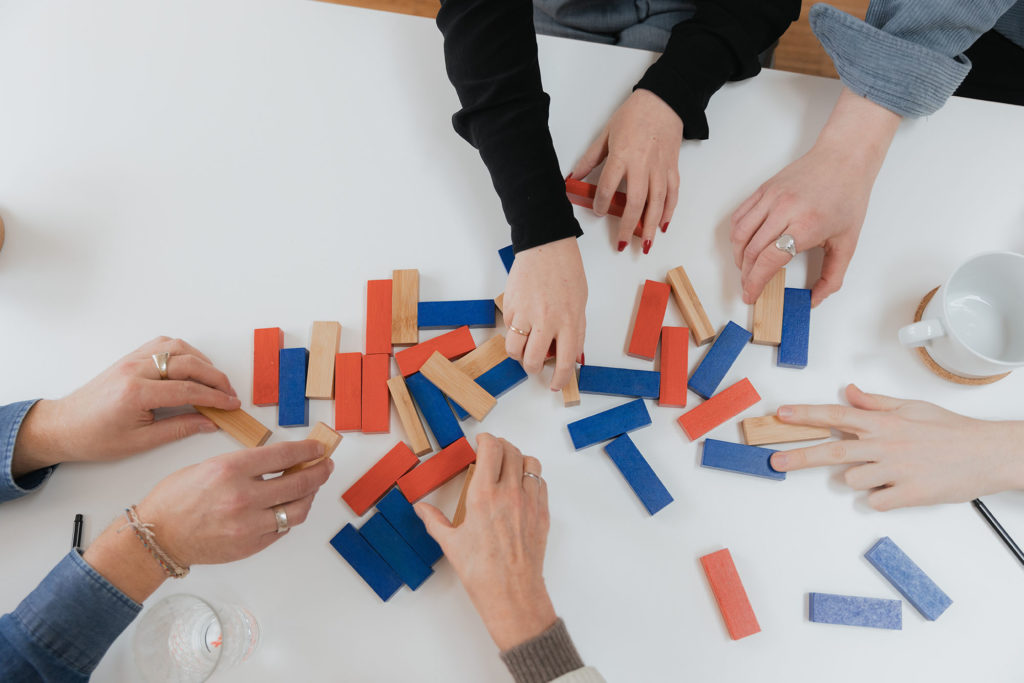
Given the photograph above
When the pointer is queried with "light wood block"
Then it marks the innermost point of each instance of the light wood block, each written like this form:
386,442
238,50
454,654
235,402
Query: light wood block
483,358
459,386
499,301
245,428
770,429
323,347
325,435
768,311
405,297
571,390
460,510
690,306
411,422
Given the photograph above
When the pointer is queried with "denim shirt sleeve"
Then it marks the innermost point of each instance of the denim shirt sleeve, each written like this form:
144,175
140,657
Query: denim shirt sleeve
63,628
11,417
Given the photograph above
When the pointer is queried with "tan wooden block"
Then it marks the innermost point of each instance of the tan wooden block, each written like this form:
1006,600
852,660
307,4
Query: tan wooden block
769,429
483,358
411,422
405,299
459,386
460,510
571,391
245,428
499,301
768,311
690,306
323,347
325,435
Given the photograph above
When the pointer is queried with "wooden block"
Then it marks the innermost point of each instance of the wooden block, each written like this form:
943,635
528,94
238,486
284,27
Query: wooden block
267,344
768,311
323,347
367,563
325,435
292,406
499,301
906,577
393,549
460,510
435,315
609,424
484,357
729,594
435,409
496,381
348,391
473,398
411,422
848,610
372,486
450,344
400,515
245,428
770,429
723,406
507,256
376,413
582,194
796,328
436,470
690,306
675,346
378,316
571,390
736,457
405,298
649,317
638,474
716,362
596,379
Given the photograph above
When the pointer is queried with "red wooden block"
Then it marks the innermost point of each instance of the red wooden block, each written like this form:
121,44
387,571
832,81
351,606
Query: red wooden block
376,414
435,471
451,345
378,316
649,317
267,343
348,391
723,406
730,595
582,194
372,486
675,345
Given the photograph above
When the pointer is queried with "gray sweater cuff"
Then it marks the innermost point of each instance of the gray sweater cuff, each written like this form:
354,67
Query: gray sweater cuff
543,658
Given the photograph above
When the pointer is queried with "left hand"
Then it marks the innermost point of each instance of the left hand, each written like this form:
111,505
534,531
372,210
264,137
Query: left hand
641,143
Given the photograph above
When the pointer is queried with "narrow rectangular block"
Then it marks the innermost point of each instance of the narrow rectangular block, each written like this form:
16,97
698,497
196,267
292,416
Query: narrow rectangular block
348,391
267,343
378,316
723,406
649,317
716,362
376,414
906,577
390,545
796,328
848,610
729,594
484,357
770,429
435,471
245,428
473,398
377,574
293,407
571,390
370,487
736,457
609,424
400,515
411,422
582,194
638,473
768,311
460,509
405,299
690,306
496,381
323,347
435,410
507,255
597,379
675,347
435,315
325,435
450,344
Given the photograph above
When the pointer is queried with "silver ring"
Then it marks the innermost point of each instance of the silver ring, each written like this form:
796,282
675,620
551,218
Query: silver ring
534,476
518,331
787,244
282,518
161,359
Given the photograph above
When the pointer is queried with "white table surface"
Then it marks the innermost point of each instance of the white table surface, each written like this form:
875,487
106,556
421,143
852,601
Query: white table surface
202,168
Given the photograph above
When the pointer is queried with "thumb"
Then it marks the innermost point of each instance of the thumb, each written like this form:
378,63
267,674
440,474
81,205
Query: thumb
178,427
437,524
594,155
833,270
865,401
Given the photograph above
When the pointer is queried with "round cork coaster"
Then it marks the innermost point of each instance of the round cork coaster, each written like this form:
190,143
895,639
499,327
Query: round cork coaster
938,369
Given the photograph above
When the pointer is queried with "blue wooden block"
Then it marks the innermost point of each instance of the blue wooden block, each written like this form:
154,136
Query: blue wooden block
638,473
508,255
595,379
723,353
433,315
828,608
390,545
292,404
496,381
435,410
609,424
737,457
919,590
364,559
399,513
796,328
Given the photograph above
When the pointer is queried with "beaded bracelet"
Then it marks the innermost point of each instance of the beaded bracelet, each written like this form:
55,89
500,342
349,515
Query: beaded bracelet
148,538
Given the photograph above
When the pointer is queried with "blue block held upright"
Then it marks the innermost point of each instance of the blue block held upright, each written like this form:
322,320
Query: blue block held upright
723,353
609,424
390,545
796,328
435,409
292,406
638,473
377,573
909,579
399,513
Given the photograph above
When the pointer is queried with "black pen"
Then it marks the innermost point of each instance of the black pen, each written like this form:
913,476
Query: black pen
998,528
76,538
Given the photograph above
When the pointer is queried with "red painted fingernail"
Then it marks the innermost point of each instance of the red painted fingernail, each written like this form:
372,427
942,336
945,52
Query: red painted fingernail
647,246
583,359
622,246
569,177
664,226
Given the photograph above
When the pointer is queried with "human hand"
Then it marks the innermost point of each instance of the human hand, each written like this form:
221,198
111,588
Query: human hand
641,143
498,551
546,297
909,452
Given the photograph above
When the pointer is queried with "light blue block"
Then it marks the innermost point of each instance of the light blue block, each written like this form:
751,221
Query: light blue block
919,590
847,610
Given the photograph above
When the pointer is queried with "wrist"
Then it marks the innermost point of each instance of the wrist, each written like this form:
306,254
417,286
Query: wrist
1014,441
122,560
518,616
860,130
38,444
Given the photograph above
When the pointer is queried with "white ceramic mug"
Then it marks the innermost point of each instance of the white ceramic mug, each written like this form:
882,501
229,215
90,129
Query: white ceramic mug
974,325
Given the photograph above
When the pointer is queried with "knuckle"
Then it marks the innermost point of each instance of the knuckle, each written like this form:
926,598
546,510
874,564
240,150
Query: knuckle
837,451
836,413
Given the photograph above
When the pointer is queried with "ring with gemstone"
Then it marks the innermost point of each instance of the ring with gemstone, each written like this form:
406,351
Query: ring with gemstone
787,244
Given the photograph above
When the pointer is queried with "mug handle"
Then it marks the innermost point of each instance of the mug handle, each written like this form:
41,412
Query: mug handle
919,333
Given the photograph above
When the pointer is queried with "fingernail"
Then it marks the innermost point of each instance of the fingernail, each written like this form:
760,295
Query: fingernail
622,246
583,359
569,177
207,428
664,226
785,411
330,464
647,246
778,460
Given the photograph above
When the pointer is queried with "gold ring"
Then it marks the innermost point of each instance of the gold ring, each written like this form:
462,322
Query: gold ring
161,359
281,517
518,331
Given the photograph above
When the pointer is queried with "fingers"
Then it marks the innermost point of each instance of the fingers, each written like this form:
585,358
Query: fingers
767,264
843,418
278,457
511,466
537,345
865,401
833,270
594,155
169,393
887,499
671,198
436,523
655,209
636,197
745,222
177,428
294,486
175,347
833,453
867,477
533,466
565,360
191,367
296,511
489,454
611,176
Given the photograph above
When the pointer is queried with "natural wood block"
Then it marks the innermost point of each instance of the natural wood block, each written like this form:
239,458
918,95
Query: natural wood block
405,297
246,429
348,391
411,422
451,345
378,316
643,343
571,390
499,301
458,386
460,509
267,345
770,429
690,306
483,358
325,435
768,311
323,347
376,413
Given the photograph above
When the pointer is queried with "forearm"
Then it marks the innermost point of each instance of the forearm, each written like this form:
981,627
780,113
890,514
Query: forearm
39,444
861,130
21,471
120,558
